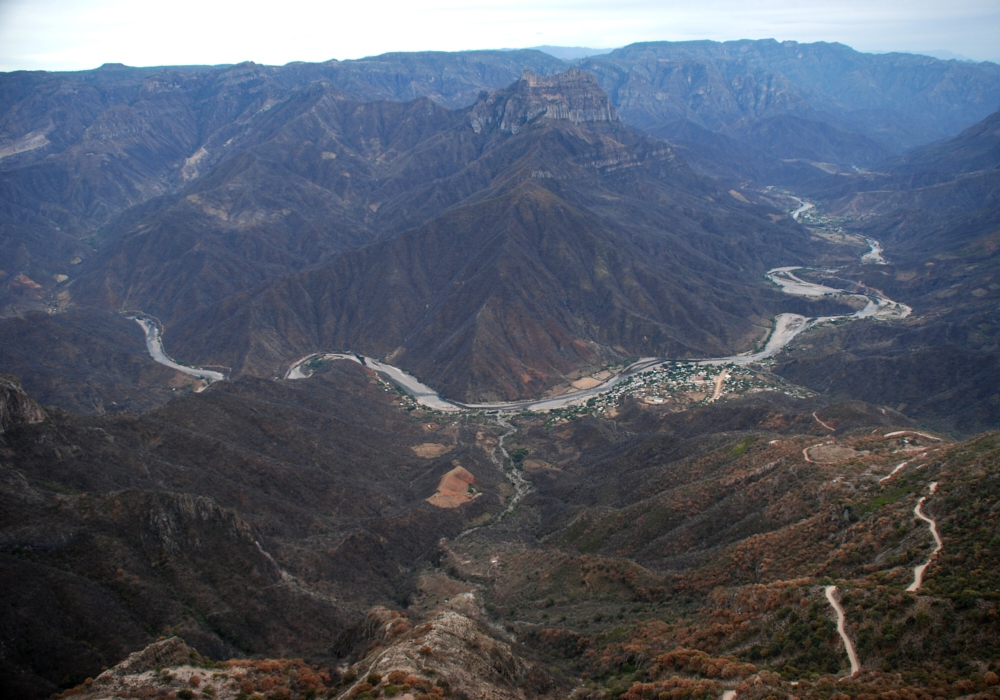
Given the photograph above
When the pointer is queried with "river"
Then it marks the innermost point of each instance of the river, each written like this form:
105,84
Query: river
154,345
786,327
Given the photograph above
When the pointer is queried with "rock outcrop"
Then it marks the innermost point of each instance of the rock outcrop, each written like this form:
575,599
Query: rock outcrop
164,653
16,407
448,654
574,95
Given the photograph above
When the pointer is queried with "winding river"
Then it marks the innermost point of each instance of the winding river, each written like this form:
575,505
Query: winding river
154,344
786,327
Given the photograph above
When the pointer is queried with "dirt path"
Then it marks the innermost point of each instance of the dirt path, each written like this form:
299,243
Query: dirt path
825,425
918,571
893,472
851,654
911,432
718,385
805,453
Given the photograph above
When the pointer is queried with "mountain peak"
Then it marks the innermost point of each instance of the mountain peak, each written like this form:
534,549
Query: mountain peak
574,95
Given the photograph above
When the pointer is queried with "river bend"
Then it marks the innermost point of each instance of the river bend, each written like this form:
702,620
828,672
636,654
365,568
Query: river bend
786,327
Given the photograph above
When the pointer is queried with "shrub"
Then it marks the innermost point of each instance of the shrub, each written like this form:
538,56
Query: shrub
361,688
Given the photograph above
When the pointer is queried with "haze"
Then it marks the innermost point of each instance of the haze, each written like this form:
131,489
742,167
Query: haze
82,34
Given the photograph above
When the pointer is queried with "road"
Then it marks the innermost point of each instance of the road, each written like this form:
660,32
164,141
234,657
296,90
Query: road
918,571
719,381
851,653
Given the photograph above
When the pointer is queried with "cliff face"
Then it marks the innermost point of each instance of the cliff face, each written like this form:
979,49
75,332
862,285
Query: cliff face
573,95
15,405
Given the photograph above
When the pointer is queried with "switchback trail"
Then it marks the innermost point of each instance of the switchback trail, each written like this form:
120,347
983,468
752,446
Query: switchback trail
918,571
851,653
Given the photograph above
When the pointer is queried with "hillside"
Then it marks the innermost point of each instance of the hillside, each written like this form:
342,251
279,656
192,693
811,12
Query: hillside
656,550
270,542
935,209
569,241
723,86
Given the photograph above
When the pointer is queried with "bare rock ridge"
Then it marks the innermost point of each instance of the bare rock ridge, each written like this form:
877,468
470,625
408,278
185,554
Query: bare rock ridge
165,652
573,95
16,407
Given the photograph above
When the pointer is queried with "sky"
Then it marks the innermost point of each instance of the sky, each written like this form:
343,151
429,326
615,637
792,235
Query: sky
82,34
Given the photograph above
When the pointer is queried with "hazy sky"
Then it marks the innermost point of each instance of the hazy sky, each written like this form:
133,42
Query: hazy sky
77,34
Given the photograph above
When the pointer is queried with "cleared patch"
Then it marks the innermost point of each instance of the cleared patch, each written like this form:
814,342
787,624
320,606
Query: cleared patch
585,383
454,489
535,464
28,142
430,450
827,454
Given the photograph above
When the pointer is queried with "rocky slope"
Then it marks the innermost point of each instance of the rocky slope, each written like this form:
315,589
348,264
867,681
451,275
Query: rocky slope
685,553
726,85
119,529
16,408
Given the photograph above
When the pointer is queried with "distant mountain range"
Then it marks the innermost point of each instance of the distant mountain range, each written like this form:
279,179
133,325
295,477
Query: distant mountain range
260,212
532,229
569,53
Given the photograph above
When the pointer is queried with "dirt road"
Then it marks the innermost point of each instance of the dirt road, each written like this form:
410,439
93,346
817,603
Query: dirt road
851,653
918,571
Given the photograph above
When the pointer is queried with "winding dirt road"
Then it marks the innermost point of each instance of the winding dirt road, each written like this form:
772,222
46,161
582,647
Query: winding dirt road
851,653
918,571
